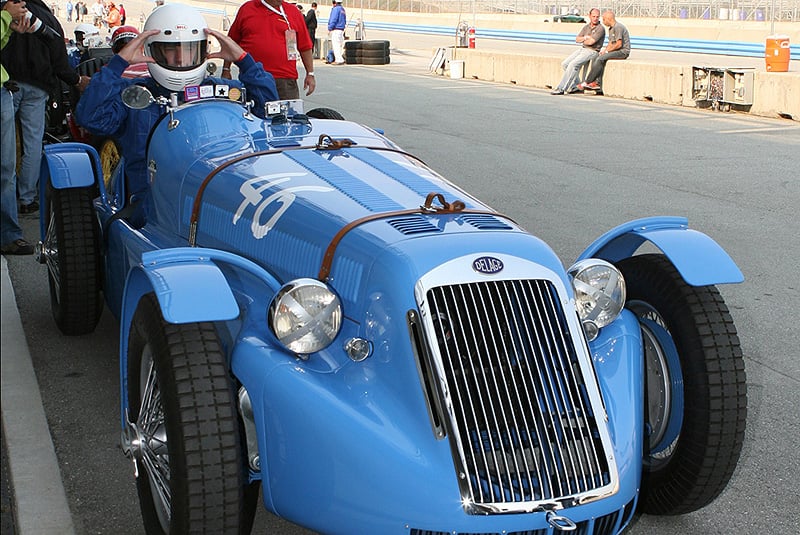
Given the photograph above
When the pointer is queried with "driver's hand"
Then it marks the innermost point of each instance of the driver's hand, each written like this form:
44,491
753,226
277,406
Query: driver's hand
229,49
133,52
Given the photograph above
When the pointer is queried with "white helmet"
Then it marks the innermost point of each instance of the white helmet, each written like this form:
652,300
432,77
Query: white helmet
88,36
179,49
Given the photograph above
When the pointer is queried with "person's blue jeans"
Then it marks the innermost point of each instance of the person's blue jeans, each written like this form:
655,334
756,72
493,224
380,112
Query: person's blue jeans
572,65
10,230
30,104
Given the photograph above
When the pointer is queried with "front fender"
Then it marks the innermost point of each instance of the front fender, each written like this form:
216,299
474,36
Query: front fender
187,290
190,287
700,260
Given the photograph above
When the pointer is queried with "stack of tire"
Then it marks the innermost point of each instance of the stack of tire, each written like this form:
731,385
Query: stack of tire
374,52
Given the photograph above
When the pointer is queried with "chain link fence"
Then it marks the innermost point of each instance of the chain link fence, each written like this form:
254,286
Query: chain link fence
757,10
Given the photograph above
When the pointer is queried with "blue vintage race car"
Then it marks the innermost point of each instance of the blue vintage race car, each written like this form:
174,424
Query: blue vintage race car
305,307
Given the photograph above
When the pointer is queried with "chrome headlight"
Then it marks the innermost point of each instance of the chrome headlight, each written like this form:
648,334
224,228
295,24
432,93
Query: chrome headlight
305,316
599,293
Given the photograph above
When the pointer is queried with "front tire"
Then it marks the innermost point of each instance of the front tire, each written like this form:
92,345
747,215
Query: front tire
191,471
71,251
696,387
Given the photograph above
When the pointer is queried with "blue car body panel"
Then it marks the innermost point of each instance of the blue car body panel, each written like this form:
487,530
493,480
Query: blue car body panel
698,258
238,207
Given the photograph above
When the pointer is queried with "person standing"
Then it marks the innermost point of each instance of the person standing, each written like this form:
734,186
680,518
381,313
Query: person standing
122,16
113,17
591,37
337,22
11,241
275,34
69,10
36,62
619,47
311,24
98,13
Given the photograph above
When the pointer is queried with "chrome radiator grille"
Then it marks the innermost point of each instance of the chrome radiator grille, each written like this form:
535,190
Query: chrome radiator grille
517,403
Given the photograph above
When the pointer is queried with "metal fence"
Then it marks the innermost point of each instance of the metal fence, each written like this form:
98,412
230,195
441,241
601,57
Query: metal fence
757,10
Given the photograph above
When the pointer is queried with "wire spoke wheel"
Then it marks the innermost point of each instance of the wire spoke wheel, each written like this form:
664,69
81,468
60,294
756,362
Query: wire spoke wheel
186,434
153,439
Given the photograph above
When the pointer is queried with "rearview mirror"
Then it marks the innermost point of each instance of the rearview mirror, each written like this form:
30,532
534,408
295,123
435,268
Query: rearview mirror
137,97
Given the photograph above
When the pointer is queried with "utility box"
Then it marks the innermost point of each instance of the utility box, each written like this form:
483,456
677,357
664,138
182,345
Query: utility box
738,87
721,87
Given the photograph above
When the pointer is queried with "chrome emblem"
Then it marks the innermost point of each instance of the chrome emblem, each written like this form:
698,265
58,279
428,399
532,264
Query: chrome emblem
488,265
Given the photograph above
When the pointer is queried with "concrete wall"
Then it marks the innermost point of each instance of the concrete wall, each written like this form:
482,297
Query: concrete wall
774,94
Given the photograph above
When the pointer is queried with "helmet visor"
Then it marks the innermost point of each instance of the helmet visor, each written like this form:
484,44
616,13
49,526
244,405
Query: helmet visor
179,56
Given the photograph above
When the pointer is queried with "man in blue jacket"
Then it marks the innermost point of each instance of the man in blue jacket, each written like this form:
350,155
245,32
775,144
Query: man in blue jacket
173,44
337,22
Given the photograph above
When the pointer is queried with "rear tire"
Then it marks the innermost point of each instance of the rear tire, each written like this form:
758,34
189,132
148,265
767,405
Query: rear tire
692,354
325,113
192,475
71,251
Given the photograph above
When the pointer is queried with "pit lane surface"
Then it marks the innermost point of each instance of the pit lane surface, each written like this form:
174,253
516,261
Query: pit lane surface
567,169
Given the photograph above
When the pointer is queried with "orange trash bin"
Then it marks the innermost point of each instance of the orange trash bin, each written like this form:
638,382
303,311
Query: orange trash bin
777,53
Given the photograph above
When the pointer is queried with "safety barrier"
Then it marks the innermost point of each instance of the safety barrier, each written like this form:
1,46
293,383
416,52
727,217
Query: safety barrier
725,48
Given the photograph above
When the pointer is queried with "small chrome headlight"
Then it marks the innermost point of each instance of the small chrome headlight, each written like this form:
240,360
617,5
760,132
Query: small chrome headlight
305,316
599,293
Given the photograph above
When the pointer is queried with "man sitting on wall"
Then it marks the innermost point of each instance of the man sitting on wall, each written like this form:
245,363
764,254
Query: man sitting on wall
619,47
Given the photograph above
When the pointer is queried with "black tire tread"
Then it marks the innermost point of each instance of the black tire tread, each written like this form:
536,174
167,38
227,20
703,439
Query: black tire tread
325,113
373,54
715,387
206,462
376,44
375,61
77,309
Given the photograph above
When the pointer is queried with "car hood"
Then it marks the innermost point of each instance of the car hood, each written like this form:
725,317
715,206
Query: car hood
282,200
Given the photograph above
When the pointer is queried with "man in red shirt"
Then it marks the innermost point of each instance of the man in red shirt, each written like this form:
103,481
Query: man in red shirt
275,34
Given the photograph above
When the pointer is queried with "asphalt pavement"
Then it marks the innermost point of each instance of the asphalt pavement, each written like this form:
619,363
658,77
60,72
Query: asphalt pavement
33,497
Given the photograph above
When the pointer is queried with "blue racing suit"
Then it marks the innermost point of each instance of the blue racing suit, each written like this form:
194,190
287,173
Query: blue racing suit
101,111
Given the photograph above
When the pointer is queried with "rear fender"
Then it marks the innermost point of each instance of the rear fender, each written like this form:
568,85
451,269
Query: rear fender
190,287
69,165
700,260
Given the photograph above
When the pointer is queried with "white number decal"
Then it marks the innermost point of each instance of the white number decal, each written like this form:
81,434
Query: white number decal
254,196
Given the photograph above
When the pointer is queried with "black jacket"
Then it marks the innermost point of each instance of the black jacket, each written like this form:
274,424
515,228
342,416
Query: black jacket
311,19
36,59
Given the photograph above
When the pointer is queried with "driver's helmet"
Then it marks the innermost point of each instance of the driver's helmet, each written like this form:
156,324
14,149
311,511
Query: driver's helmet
179,50
122,36
87,36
